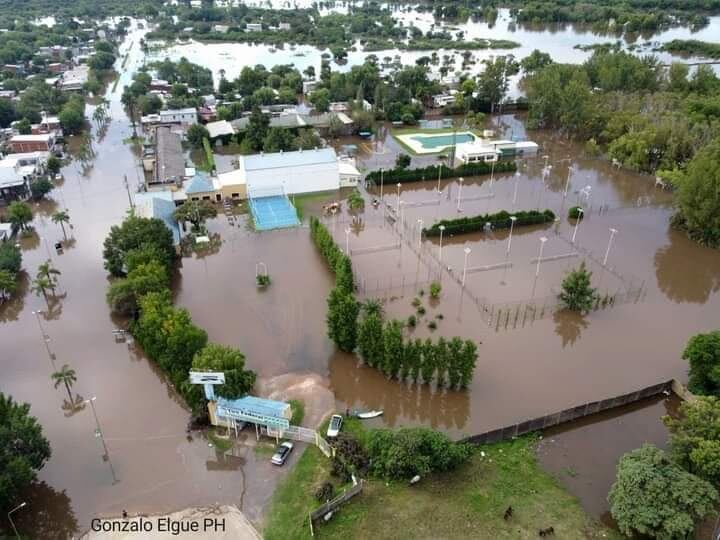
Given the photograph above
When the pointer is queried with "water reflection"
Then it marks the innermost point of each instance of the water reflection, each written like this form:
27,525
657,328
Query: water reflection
48,514
11,309
686,272
361,387
569,325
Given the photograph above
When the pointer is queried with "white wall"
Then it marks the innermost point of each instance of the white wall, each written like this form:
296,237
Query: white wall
301,179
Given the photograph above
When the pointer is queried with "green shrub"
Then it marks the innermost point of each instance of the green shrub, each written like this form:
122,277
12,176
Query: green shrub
499,220
416,302
431,172
421,311
575,213
412,321
432,325
435,289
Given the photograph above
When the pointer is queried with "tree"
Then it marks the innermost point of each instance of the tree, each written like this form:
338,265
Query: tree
344,274
101,60
467,363
392,348
355,200
535,61
238,380
8,284
196,212
19,214
53,165
695,437
256,131
24,126
61,217
72,119
50,273
40,285
124,293
370,339
428,365
654,497
320,99
307,139
278,139
134,233
196,134
493,81
703,354
65,376
40,187
149,104
402,161
342,316
577,294
698,204
23,449
10,257
442,360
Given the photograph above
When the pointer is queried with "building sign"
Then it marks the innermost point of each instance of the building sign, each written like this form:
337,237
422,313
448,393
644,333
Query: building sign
209,377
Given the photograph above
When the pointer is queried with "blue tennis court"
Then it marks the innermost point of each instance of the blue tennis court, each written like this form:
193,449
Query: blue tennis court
274,212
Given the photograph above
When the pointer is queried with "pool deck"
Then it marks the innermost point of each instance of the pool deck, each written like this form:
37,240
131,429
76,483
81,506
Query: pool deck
408,139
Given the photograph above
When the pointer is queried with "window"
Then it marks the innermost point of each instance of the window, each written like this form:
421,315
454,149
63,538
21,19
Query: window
235,195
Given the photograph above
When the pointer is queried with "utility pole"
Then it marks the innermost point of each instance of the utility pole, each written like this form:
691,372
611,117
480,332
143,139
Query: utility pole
99,433
127,188
45,338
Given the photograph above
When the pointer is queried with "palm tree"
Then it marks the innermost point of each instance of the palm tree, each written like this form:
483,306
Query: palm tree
61,217
40,285
50,273
65,376
372,307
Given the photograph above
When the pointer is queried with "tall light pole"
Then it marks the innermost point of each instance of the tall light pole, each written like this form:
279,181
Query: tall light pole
577,222
442,229
613,232
420,225
402,217
99,433
517,181
439,176
381,185
492,174
461,179
347,241
513,219
45,338
18,507
467,251
567,182
543,239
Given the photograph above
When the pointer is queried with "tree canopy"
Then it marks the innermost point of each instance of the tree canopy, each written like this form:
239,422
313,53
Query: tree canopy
577,294
136,233
703,354
238,380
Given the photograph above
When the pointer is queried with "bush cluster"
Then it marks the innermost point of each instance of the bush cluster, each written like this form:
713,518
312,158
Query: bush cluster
498,220
431,172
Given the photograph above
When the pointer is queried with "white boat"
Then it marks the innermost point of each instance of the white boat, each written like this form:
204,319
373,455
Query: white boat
369,414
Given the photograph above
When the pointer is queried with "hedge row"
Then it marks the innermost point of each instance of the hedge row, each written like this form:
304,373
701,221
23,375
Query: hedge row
498,220
431,172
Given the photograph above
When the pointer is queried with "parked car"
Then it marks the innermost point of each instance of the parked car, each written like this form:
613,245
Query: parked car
282,453
335,424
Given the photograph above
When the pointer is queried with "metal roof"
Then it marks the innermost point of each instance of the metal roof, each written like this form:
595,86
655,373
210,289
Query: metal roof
160,205
199,184
278,160
256,405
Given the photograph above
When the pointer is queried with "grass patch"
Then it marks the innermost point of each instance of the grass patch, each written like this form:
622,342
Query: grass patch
264,448
220,443
298,411
302,201
466,503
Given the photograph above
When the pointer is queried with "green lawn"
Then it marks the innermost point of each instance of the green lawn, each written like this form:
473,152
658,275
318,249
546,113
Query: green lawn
466,503
301,202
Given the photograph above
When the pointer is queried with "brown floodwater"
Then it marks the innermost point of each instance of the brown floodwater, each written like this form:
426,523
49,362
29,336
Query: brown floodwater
528,366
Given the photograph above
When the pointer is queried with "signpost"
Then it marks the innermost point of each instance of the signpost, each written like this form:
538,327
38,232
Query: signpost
208,379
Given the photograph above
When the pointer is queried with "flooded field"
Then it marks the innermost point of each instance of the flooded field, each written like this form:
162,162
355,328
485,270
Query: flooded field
532,361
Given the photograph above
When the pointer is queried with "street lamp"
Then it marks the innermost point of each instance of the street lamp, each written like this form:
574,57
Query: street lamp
567,182
580,215
402,217
461,179
347,241
381,184
513,219
99,433
467,251
397,205
517,181
18,507
543,239
613,232
420,225
492,174
439,176
45,337
442,229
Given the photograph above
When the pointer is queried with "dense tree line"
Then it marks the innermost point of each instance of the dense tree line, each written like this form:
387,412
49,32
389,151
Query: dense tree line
431,172
140,254
381,345
498,220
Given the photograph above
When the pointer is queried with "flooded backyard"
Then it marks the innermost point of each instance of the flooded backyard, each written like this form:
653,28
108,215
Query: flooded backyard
533,360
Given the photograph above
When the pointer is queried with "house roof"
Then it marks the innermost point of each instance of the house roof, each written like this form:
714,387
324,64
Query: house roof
45,137
277,160
219,128
232,178
260,406
160,205
283,121
198,184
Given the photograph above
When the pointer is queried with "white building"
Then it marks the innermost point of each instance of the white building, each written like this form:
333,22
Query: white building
304,171
18,170
75,79
183,117
475,152
253,27
349,175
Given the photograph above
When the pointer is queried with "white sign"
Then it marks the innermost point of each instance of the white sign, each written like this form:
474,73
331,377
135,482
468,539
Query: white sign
207,377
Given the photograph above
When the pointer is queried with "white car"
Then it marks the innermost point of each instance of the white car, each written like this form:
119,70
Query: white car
282,453
334,426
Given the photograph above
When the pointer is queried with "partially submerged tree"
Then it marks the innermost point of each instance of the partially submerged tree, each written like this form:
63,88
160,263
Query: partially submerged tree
196,212
652,496
577,293
238,380
66,376
61,217
135,233
19,214
703,354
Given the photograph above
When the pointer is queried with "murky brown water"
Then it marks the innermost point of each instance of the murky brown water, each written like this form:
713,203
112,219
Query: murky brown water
527,367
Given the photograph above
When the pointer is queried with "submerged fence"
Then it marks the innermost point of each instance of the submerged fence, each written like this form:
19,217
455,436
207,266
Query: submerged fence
573,413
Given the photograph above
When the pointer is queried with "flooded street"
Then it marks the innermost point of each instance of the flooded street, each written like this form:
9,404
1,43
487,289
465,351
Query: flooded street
532,360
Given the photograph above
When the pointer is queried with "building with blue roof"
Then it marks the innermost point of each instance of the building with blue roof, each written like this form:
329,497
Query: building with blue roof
261,411
160,205
199,188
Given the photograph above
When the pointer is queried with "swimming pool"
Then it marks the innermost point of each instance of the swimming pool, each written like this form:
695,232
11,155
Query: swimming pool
442,141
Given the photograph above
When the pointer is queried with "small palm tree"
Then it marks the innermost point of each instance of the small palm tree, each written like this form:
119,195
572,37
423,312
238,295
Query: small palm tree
61,217
47,271
65,376
40,285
